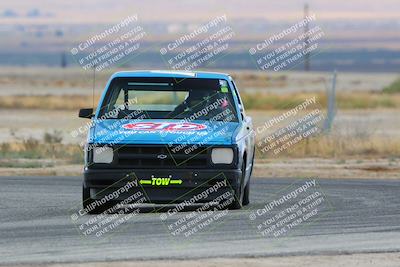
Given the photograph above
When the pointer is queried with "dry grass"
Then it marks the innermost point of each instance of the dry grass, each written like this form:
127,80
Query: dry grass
352,100
47,102
393,88
259,79
48,148
33,149
253,101
341,147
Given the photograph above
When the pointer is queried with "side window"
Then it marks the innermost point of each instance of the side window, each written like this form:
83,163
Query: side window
120,99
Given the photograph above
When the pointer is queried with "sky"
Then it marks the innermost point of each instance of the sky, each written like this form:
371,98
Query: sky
106,11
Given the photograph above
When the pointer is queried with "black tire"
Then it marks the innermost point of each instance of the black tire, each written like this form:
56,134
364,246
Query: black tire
246,194
238,198
252,162
87,201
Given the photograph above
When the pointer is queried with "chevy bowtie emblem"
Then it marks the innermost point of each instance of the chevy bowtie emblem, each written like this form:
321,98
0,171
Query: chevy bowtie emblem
162,156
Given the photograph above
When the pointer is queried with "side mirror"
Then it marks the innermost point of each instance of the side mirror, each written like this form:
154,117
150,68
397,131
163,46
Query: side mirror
249,122
86,113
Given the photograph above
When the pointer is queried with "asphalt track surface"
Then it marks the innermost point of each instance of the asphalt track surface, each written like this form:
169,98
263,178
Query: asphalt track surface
36,225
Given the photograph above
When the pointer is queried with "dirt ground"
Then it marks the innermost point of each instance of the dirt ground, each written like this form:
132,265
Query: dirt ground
329,168
365,260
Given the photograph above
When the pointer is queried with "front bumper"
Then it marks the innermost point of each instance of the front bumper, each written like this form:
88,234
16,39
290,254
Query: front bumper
193,182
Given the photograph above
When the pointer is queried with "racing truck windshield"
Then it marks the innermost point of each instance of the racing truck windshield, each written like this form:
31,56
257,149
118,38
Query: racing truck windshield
169,98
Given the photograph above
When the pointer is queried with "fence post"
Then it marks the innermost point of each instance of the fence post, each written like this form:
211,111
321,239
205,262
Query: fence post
331,109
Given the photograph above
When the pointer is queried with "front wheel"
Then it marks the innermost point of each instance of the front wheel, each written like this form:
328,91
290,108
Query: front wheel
88,203
238,197
246,195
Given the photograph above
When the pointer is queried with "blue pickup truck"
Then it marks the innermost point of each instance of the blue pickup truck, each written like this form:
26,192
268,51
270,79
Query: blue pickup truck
172,134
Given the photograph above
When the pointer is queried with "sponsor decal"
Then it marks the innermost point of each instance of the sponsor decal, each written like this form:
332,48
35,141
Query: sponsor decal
164,126
160,181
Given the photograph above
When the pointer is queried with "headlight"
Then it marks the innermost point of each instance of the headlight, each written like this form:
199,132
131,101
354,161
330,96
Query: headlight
103,154
222,155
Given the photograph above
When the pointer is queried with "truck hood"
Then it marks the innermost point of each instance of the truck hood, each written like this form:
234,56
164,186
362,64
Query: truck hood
200,132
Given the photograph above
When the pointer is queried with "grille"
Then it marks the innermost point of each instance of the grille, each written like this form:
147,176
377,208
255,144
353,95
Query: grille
163,156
